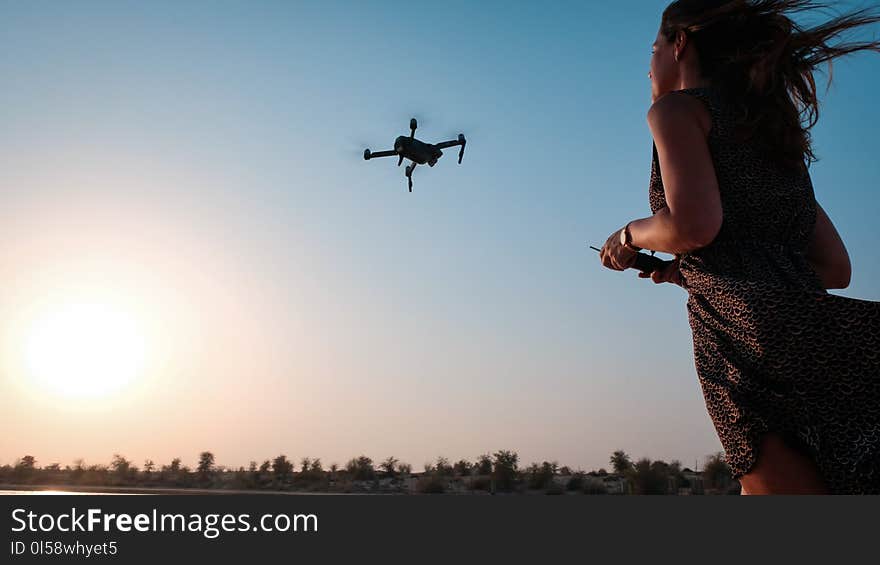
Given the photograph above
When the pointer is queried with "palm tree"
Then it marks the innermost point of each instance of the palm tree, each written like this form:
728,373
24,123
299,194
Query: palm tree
148,469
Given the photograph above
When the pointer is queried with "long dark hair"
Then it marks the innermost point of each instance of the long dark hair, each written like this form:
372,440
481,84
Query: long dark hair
764,61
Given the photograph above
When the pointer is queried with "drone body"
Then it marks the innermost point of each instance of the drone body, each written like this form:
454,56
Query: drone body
418,152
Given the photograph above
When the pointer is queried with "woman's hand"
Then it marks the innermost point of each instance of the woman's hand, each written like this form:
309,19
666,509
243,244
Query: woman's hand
669,273
615,256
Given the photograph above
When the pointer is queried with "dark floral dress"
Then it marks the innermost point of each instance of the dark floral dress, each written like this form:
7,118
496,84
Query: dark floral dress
773,350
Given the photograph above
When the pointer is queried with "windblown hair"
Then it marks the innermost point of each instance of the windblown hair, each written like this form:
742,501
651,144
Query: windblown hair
764,61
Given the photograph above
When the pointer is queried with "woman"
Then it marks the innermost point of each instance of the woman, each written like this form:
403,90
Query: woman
790,373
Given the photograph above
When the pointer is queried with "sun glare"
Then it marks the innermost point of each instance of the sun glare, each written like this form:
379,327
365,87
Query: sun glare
84,350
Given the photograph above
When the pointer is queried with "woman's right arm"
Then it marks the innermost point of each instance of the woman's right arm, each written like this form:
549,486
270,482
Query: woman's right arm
827,254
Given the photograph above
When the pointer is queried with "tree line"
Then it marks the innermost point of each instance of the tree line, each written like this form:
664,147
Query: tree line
498,472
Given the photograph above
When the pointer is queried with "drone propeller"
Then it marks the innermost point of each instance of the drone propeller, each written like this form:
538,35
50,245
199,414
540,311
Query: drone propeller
354,146
463,142
417,118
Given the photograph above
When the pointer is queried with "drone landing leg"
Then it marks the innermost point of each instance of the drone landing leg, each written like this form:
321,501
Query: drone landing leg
409,172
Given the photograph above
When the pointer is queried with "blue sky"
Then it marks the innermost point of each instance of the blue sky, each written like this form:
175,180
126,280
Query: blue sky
215,149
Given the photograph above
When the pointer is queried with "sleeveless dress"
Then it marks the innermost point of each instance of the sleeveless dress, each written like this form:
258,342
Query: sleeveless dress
773,350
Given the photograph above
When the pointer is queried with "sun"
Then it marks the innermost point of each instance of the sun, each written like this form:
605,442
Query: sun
84,349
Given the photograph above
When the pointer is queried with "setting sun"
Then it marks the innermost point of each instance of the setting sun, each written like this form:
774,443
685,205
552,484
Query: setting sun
84,349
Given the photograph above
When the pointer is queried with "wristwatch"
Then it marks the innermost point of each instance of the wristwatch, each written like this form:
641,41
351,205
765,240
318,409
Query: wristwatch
626,239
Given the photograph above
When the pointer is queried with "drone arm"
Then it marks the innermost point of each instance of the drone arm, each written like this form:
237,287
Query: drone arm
445,144
460,141
370,155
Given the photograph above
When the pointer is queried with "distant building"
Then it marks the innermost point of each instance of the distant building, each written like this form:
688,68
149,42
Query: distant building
694,482
617,484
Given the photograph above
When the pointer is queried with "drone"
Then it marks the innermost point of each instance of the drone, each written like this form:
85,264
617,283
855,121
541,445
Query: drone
417,151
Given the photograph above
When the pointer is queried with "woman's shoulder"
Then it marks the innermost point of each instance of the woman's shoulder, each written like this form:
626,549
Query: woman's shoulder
678,105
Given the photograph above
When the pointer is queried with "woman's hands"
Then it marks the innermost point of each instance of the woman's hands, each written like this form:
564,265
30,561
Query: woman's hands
615,256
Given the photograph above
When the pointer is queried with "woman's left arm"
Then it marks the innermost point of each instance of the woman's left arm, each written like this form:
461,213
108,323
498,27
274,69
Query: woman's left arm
692,216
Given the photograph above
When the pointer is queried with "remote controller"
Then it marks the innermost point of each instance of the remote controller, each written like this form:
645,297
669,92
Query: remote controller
646,263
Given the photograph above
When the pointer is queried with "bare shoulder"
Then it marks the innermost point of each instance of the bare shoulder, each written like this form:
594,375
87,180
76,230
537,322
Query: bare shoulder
677,109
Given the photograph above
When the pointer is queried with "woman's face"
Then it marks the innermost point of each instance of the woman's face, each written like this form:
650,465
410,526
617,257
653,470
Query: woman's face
664,73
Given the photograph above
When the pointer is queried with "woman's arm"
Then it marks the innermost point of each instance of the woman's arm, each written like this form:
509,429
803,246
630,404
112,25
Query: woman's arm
827,254
692,216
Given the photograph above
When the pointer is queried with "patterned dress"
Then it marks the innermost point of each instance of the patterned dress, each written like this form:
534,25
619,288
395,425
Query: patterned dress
773,350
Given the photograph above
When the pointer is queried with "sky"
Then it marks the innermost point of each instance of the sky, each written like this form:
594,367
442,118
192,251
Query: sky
196,169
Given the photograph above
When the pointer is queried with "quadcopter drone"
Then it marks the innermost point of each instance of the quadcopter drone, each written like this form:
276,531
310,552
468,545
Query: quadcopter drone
417,151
